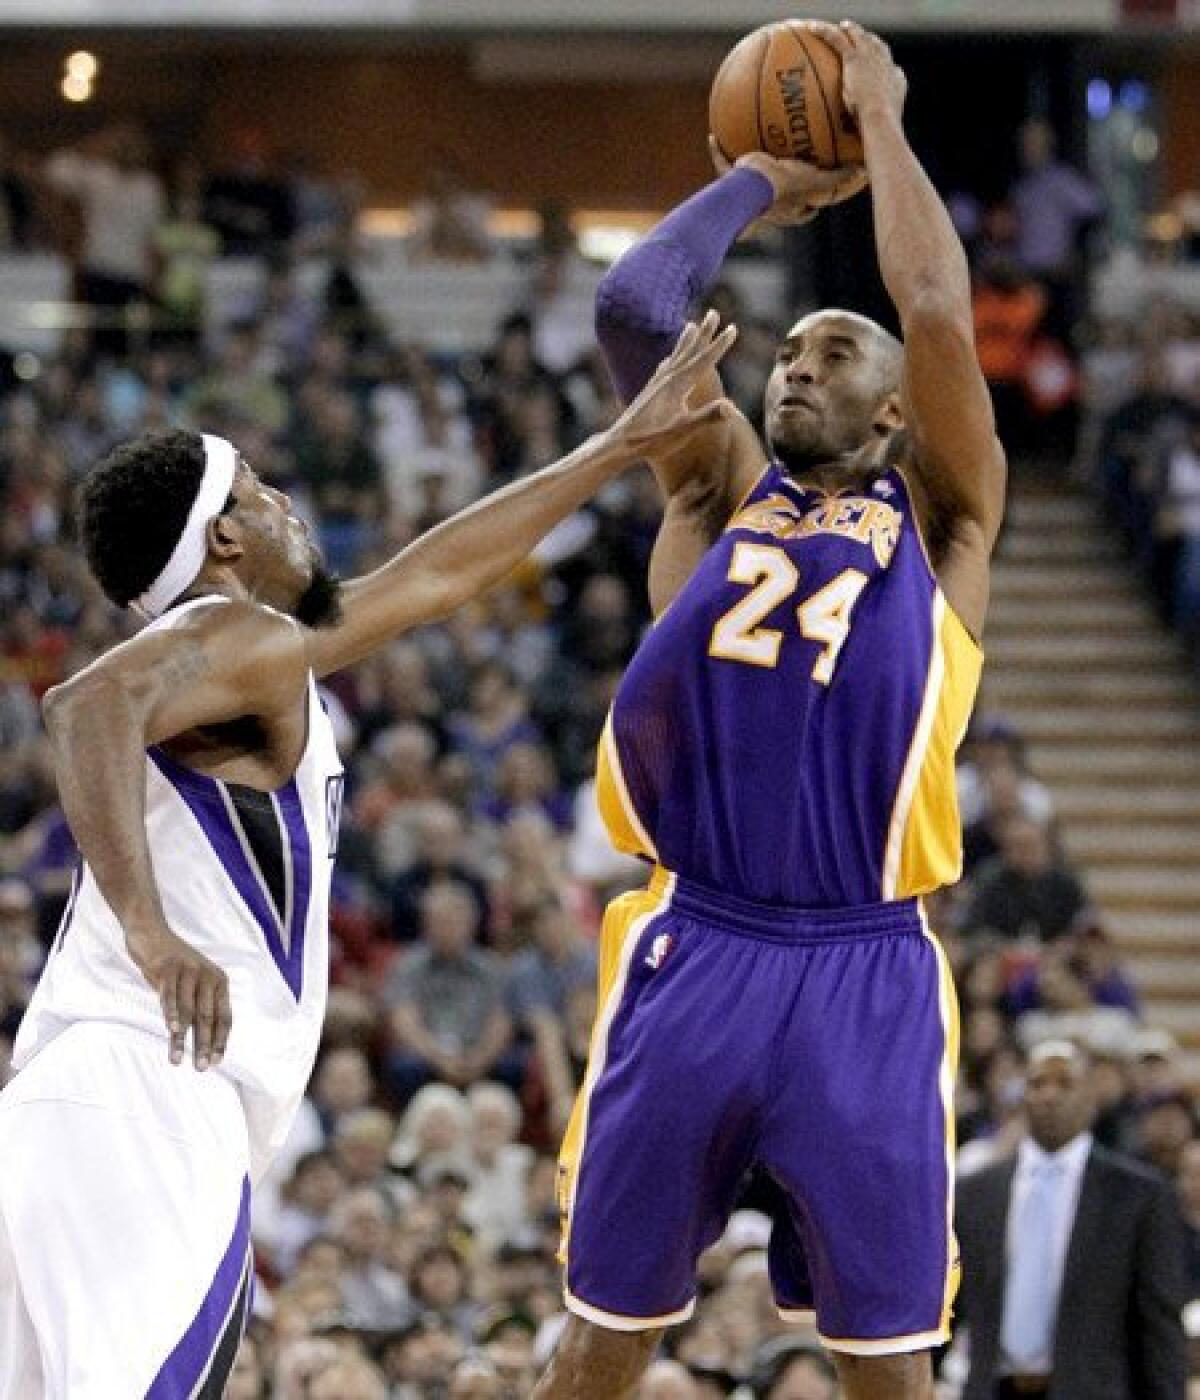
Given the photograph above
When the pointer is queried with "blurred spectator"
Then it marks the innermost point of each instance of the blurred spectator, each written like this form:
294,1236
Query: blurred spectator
1165,1124
1026,891
440,854
445,1002
392,804
184,246
1054,204
1008,309
236,389
373,1294
450,221
121,205
16,200
497,717
20,954
1187,1181
1073,1277
993,743
249,206
496,1206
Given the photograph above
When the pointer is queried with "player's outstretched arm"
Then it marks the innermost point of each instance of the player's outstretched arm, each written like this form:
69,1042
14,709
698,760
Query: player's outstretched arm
479,547
220,663
947,406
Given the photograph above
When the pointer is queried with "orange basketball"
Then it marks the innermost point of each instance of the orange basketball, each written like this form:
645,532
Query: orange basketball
779,90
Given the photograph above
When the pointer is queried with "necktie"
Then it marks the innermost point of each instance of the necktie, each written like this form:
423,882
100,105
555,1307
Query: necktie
1030,1293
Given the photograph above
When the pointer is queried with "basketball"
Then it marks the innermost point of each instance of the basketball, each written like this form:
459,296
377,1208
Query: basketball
779,90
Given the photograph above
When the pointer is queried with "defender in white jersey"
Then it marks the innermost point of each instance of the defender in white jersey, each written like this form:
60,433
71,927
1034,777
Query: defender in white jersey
198,770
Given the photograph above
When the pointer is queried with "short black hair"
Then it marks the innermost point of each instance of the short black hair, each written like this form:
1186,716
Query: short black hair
133,506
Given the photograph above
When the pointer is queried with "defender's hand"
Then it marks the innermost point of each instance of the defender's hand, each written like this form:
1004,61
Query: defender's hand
194,993
662,415
873,83
801,190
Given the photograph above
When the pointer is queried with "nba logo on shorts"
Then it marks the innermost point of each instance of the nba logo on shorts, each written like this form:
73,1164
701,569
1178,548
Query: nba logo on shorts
658,951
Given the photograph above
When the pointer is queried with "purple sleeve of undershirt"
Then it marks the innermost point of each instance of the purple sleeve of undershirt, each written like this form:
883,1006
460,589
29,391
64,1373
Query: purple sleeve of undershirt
643,301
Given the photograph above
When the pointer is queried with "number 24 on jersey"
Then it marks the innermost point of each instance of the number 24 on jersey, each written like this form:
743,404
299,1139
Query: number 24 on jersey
772,577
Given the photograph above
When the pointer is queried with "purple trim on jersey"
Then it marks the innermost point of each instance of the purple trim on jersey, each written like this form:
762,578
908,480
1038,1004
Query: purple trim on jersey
300,852
187,1364
69,912
203,797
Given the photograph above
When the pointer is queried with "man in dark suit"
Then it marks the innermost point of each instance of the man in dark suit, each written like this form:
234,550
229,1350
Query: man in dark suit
1073,1278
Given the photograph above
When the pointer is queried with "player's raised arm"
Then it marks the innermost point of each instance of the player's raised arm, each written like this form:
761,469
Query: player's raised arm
947,406
641,305
477,548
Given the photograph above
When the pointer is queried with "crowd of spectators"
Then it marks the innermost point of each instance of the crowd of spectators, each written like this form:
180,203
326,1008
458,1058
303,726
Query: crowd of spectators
1141,446
406,1239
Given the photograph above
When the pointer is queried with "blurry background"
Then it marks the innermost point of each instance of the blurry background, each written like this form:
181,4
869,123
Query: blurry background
363,240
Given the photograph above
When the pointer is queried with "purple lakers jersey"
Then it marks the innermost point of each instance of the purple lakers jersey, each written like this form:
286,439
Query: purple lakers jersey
787,730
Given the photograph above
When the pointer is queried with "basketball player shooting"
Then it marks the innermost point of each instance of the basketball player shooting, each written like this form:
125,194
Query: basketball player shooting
198,771
782,749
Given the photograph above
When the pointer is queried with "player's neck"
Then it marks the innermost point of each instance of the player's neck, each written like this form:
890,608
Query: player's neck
845,472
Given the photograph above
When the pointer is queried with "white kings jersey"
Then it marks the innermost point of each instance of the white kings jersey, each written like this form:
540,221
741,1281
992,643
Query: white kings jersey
244,878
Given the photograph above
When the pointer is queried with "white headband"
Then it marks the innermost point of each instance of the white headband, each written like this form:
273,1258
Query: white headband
187,558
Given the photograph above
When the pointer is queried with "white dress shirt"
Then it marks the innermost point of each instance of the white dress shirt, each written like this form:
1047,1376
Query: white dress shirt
1072,1158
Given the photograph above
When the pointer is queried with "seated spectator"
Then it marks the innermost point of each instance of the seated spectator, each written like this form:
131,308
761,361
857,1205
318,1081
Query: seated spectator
993,743
496,1205
542,981
450,220
440,1289
441,854
496,718
401,789
21,955
1164,1126
372,1293
362,1145
1008,309
301,1214
341,1084
1187,1183
247,203
1057,1003
437,1121
184,246
341,475
236,387
445,1003
525,782
1027,891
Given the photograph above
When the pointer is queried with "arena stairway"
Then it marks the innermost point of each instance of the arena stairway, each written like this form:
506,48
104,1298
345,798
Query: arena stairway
1080,662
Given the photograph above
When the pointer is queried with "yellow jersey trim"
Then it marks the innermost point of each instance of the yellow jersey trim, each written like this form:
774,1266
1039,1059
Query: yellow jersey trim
621,820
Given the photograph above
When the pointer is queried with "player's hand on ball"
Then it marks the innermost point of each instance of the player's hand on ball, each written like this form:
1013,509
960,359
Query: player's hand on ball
663,414
194,993
801,190
872,80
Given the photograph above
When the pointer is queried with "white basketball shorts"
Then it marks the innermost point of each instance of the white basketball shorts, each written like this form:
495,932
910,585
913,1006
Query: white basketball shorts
124,1223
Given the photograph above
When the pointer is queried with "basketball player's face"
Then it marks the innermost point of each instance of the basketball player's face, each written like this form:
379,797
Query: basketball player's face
283,565
824,394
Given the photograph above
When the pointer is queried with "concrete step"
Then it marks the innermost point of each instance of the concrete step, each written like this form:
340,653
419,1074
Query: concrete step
1058,511
1089,578
1154,930
1111,725
1031,543
1086,763
1004,688
1141,844
1099,803
1088,653
1159,976
1074,612
1150,884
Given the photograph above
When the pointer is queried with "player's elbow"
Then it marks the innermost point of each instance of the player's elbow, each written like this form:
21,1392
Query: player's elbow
939,315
